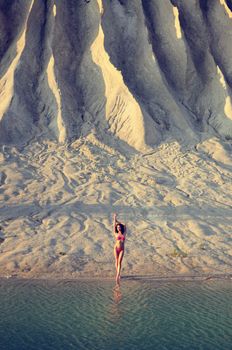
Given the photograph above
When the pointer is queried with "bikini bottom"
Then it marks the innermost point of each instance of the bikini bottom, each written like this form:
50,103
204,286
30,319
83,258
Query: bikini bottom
119,249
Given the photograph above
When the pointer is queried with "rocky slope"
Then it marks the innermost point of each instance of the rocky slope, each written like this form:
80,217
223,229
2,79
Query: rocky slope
131,69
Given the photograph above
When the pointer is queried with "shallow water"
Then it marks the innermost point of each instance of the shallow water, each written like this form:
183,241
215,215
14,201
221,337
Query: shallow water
94,315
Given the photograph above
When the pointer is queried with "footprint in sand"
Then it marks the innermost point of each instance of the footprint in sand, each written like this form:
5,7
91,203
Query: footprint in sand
2,239
2,178
53,242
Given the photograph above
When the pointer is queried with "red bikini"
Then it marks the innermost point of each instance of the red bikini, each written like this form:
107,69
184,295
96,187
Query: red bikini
120,237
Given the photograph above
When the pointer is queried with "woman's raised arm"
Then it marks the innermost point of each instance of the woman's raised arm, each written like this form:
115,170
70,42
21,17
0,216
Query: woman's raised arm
114,222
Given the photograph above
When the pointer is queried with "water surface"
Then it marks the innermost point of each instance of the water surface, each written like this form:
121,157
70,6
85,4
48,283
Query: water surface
93,315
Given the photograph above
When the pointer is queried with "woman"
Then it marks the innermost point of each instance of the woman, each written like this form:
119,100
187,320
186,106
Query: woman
120,236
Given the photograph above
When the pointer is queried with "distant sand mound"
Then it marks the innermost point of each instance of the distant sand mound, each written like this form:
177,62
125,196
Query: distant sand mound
137,71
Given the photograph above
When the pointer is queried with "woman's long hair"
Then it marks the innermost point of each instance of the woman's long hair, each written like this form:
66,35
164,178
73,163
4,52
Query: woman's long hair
122,227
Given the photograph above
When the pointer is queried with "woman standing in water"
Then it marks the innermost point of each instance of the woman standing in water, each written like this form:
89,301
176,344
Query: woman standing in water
120,236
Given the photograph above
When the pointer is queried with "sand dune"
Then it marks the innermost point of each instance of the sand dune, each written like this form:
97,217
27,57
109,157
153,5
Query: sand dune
133,70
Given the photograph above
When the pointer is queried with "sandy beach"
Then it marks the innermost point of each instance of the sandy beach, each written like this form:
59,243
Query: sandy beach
59,200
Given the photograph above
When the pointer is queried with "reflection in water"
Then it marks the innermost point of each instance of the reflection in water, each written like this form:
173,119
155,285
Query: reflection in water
116,310
117,294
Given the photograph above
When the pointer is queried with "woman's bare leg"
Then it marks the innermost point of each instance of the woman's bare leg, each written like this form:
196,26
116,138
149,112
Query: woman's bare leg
120,257
116,259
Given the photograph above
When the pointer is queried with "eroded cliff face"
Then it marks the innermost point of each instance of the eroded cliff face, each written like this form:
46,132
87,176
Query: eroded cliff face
135,70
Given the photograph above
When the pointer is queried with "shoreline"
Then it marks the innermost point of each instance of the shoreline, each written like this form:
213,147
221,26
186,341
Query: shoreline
136,277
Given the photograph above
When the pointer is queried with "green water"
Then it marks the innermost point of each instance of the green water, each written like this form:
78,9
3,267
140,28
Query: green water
94,315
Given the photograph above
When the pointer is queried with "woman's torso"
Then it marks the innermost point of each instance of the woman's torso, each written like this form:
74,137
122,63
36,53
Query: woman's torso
120,239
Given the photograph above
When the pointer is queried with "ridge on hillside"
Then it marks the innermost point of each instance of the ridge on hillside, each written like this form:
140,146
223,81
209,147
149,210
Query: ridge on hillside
135,70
